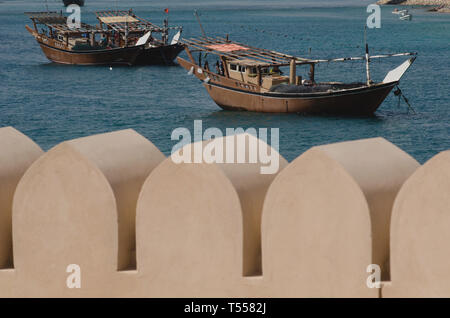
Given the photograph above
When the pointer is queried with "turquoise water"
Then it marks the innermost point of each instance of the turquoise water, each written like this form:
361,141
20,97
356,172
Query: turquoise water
52,103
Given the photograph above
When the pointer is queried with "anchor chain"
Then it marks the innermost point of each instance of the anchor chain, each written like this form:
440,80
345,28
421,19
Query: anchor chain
398,92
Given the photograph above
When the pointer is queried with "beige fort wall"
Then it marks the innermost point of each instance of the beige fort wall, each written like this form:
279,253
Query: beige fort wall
17,153
77,205
327,216
208,217
140,225
420,233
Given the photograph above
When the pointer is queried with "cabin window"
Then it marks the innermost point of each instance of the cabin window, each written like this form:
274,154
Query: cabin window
237,68
253,71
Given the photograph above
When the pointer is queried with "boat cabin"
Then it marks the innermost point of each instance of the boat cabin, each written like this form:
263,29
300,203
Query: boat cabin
254,72
252,66
53,29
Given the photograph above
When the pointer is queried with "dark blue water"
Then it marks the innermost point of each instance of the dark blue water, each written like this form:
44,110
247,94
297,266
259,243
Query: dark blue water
52,103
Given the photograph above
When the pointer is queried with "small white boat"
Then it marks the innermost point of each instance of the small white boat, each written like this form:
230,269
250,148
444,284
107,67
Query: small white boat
397,11
405,16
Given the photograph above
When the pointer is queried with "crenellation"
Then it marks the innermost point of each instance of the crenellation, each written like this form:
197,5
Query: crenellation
110,216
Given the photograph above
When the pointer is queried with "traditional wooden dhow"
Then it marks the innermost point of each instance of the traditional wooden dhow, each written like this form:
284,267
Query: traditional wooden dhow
249,78
82,45
131,29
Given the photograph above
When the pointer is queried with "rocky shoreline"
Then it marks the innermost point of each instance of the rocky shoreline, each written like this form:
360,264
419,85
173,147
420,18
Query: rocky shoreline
437,5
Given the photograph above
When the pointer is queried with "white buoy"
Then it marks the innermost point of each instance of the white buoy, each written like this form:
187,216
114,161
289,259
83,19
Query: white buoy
110,68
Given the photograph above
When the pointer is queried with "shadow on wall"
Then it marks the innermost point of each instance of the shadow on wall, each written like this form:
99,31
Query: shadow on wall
139,225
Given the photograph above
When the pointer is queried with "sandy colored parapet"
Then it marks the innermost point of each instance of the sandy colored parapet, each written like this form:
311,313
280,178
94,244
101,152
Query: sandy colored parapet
198,227
326,218
76,205
140,225
17,153
420,235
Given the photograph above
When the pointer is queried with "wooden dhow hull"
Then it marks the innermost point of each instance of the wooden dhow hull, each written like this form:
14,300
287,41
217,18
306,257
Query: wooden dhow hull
118,56
57,52
364,101
161,55
230,94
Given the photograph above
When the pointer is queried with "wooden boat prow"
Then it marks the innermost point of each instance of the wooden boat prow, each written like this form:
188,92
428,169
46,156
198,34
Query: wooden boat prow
248,78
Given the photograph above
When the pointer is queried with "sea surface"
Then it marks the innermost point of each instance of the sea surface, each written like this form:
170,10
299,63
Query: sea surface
52,103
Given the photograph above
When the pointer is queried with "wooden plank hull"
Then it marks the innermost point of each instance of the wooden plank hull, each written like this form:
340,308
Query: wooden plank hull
232,95
119,56
57,52
163,55
362,101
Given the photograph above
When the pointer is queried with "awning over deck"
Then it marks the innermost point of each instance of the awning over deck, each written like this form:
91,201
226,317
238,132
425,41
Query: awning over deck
118,19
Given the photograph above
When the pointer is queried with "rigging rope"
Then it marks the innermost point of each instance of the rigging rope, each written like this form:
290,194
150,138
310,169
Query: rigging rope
400,94
301,38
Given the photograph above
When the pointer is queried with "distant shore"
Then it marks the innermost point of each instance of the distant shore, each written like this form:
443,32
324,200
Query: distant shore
438,5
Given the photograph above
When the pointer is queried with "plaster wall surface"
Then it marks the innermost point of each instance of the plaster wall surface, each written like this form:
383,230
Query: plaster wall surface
420,234
141,225
17,153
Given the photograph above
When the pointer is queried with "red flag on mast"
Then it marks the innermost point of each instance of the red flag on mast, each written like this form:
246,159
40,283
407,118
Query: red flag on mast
166,10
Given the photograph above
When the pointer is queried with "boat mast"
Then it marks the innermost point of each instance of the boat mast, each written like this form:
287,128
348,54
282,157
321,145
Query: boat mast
165,36
292,72
126,32
369,81
199,23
